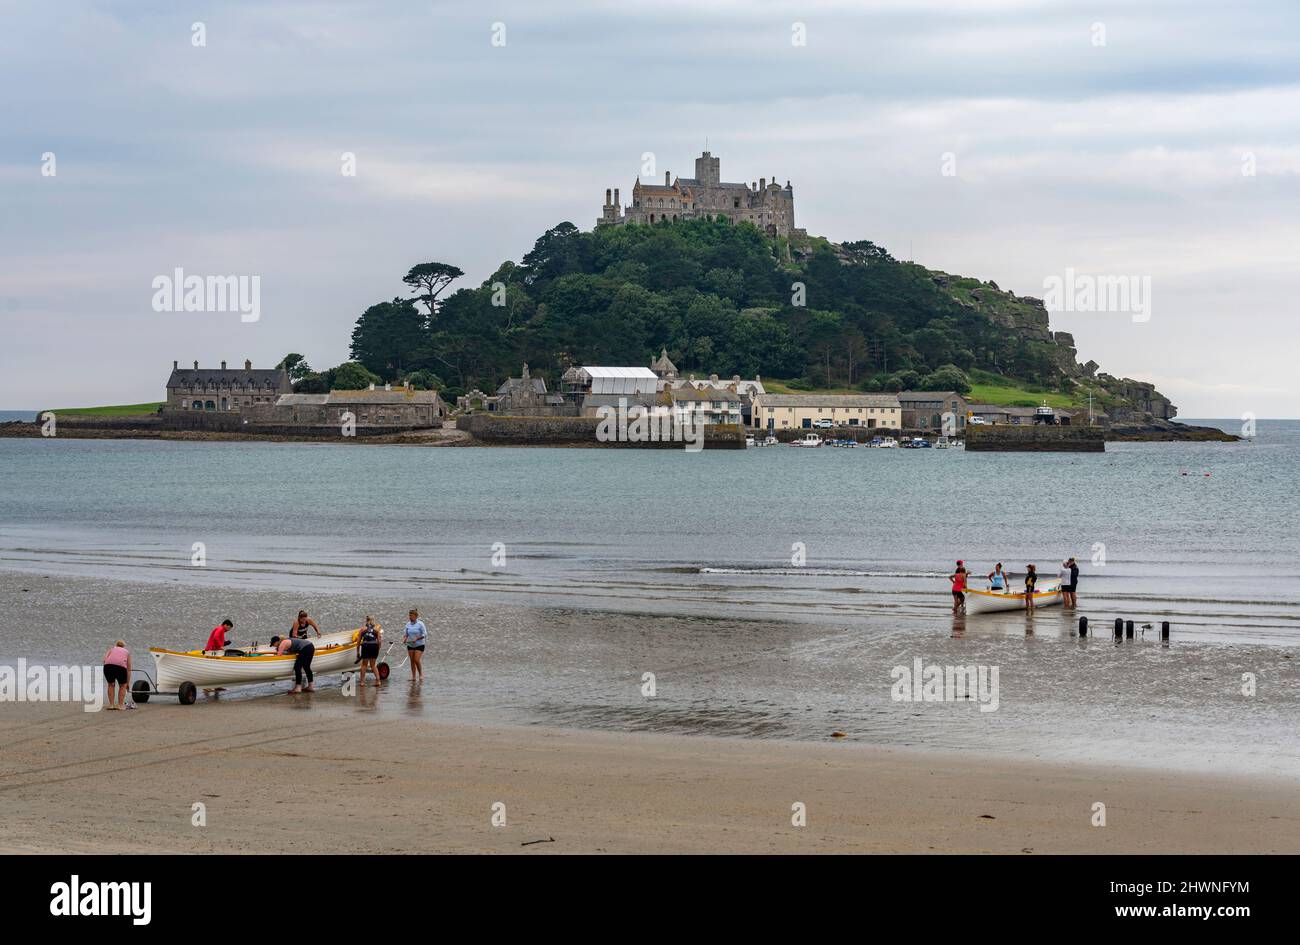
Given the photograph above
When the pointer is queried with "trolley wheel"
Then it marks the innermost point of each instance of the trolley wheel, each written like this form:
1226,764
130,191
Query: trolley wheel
140,691
187,693
383,670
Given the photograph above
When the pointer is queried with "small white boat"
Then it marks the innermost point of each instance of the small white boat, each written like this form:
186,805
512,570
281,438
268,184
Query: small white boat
184,672
987,602
888,443
771,441
812,439
749,441
942,443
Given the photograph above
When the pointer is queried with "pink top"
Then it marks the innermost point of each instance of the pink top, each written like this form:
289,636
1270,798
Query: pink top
117,656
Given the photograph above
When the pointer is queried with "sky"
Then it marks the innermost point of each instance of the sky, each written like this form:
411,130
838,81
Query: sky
1010,140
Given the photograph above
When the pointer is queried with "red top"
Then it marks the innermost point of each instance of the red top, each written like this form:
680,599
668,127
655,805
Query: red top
217,639
959,581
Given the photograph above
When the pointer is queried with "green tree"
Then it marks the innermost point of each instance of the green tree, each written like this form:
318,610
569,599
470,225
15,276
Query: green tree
389,336
428,280
352,376
296,366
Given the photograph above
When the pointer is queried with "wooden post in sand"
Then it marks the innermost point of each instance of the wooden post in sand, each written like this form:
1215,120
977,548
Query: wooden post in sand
1083,626
1164,629
1128,629
1119,628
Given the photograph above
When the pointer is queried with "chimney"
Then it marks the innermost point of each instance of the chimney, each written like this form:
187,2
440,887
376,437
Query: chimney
372,386
223,365
616,197
248,365
176,365
667,179
762,183
754,184
388,387
196,365
607,196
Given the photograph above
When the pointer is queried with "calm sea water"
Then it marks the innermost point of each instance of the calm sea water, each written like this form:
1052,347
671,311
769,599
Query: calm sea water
613,563
1201,534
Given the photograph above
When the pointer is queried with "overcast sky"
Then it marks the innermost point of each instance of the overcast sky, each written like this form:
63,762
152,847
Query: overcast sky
1130,158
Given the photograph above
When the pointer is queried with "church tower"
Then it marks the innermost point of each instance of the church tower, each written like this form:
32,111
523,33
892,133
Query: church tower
708,170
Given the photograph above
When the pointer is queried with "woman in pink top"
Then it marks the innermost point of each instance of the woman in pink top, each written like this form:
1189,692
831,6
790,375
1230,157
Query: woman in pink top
958,579
117,671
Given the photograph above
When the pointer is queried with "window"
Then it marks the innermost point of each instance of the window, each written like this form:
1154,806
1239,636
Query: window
209,406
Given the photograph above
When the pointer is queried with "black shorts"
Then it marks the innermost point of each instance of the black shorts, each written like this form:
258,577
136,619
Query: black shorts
958,595
115,674
1069,588
410,649
369,651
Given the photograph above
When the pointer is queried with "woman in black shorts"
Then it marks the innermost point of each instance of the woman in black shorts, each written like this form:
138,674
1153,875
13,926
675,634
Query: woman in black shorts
368,648
117,672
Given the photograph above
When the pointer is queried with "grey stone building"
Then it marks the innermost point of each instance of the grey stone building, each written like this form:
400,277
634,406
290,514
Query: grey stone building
769,206
223,388
388,407
924,409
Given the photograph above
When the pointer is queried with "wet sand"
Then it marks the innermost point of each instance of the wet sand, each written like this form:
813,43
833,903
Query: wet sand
306,775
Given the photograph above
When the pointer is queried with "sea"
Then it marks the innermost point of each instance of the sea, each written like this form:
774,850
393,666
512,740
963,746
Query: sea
778,587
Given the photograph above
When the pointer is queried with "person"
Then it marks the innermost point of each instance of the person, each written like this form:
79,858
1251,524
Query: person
1071,592
958,578
368,649
303,650
217,638
1031,580
998,579
1063,577
415,637
299,627
117,671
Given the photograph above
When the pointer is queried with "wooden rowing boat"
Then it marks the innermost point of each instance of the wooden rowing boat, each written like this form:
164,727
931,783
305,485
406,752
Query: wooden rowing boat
985,602
335,653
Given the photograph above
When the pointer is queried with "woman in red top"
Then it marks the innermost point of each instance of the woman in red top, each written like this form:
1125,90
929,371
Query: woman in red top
958,579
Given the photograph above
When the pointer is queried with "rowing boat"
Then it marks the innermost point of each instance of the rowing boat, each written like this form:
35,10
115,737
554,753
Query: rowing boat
183,671
985,602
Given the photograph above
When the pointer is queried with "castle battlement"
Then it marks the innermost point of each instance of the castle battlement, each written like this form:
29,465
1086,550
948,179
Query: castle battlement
768,206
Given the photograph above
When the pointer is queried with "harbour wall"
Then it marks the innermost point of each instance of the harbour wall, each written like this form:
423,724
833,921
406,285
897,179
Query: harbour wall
579,431
1036,438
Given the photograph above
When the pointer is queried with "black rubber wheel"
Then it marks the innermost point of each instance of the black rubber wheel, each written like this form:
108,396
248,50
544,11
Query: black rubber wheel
140,691
383,670
187,693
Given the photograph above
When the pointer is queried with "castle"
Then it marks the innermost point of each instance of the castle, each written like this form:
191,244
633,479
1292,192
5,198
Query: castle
768,206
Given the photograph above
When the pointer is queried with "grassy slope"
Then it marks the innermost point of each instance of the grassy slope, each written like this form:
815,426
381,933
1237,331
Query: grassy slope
120,410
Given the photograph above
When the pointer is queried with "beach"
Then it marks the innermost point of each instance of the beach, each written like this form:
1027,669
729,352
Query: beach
277,777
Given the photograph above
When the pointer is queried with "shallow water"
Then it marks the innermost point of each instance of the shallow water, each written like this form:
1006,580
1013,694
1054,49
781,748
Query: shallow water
621,563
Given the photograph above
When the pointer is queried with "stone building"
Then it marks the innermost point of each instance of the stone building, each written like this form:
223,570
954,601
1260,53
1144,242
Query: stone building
924,410
768,206
387,407
527,396
807,411
224,389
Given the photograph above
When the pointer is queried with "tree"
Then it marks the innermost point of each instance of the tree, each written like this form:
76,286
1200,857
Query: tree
429,279
948,377
352,376
296,366
388,337
424,380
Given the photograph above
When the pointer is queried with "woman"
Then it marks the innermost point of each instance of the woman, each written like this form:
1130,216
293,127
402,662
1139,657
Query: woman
368,650
1031,579
998,579
299,627
958,579
415,636
303,651
117,671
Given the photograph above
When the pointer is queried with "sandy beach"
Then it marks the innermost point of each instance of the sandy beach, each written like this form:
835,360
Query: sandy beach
275,779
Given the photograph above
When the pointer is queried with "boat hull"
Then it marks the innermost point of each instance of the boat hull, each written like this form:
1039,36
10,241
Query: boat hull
987,602
335,653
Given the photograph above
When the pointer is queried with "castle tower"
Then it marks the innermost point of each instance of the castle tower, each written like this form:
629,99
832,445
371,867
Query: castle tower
708,170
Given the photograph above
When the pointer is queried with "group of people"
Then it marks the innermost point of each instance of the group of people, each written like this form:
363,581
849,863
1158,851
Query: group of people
1000,582
117,661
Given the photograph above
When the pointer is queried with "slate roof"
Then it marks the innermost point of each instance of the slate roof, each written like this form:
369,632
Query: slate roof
888,401
260,377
